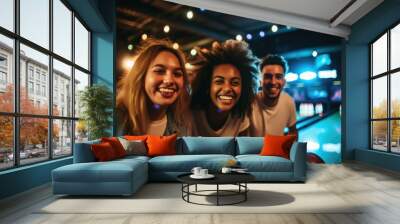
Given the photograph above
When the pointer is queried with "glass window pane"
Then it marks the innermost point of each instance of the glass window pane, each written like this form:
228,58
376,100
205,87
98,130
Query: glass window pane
34,96
6,74
379,135
81,45
81,81
62,138
395,136
379,97
395,47
395,95
7,14
81,131
6,142
33,139
62,89
62,29
379,55
35,21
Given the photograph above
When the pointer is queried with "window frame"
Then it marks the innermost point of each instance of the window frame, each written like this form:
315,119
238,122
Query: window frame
16,114
388,74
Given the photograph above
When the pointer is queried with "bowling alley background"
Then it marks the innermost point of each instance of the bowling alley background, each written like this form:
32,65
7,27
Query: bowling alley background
313,80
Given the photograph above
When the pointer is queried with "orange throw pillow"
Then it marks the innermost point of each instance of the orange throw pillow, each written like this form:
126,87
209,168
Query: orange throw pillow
116,145
103,152
135,138
161,145
277,145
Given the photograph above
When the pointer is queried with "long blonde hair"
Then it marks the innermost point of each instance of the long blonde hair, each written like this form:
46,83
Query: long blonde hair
132,101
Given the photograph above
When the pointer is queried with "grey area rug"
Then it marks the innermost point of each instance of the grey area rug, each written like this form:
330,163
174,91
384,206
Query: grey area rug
166,198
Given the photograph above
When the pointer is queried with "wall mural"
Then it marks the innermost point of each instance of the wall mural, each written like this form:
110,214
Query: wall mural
195,72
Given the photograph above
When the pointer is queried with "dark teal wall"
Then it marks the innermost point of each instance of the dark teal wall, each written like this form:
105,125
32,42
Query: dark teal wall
103,50
356,98
99,15
24,178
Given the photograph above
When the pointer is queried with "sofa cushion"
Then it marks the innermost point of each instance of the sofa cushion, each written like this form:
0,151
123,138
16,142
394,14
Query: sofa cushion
249,145
103,151
185,163
161,145
208,145
116,145
277,145
257,163
134,147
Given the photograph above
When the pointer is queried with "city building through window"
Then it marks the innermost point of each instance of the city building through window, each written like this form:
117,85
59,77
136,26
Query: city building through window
44,105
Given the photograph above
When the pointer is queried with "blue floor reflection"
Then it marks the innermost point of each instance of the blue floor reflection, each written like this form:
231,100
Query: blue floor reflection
323,138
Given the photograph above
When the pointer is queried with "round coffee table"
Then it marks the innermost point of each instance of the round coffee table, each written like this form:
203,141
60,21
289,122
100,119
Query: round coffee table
238,179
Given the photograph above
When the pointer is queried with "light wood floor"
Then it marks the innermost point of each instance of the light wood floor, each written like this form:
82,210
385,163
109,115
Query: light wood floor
377,188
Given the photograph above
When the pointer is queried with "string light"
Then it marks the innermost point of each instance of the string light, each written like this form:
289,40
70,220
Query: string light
193,52
262,34
130,47
144,36
188,65
249,36
166,29
314,53
239,37
175,46
274,28
128,63
189,14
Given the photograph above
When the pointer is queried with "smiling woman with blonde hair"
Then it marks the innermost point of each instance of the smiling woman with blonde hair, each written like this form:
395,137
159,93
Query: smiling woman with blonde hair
153,97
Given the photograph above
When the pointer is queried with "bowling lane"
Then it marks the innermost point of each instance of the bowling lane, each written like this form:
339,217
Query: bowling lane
323,138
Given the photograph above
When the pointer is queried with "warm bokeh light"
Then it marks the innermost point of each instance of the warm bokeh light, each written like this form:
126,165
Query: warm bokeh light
189,14
239,37
144,36
188,66
130,47
193,52
175,45
127,63
166,28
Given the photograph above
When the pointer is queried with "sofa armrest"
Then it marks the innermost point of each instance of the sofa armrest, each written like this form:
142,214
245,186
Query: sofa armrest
298,157
83,152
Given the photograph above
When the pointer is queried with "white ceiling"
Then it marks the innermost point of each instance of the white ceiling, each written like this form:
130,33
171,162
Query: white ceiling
322,16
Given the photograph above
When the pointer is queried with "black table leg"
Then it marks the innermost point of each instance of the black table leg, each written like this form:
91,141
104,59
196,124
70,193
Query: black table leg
217,194
245,193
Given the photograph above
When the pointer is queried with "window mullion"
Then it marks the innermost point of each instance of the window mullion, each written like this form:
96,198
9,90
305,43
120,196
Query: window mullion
16,85
389,106
73,83
50,81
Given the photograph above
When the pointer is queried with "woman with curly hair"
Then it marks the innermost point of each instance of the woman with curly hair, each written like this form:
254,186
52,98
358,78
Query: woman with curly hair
153,97
223,89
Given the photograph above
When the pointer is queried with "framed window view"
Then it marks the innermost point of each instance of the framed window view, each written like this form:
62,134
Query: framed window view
38,79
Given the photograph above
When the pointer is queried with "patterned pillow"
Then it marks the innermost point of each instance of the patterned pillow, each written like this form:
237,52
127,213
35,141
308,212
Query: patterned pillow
134,147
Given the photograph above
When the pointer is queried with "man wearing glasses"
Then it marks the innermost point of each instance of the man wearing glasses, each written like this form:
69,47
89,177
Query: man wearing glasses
273,109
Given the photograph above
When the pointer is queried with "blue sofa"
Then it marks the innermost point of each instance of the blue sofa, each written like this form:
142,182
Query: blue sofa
125,176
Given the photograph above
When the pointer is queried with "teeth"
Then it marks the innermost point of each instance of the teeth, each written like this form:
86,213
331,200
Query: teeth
225,97
166,90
